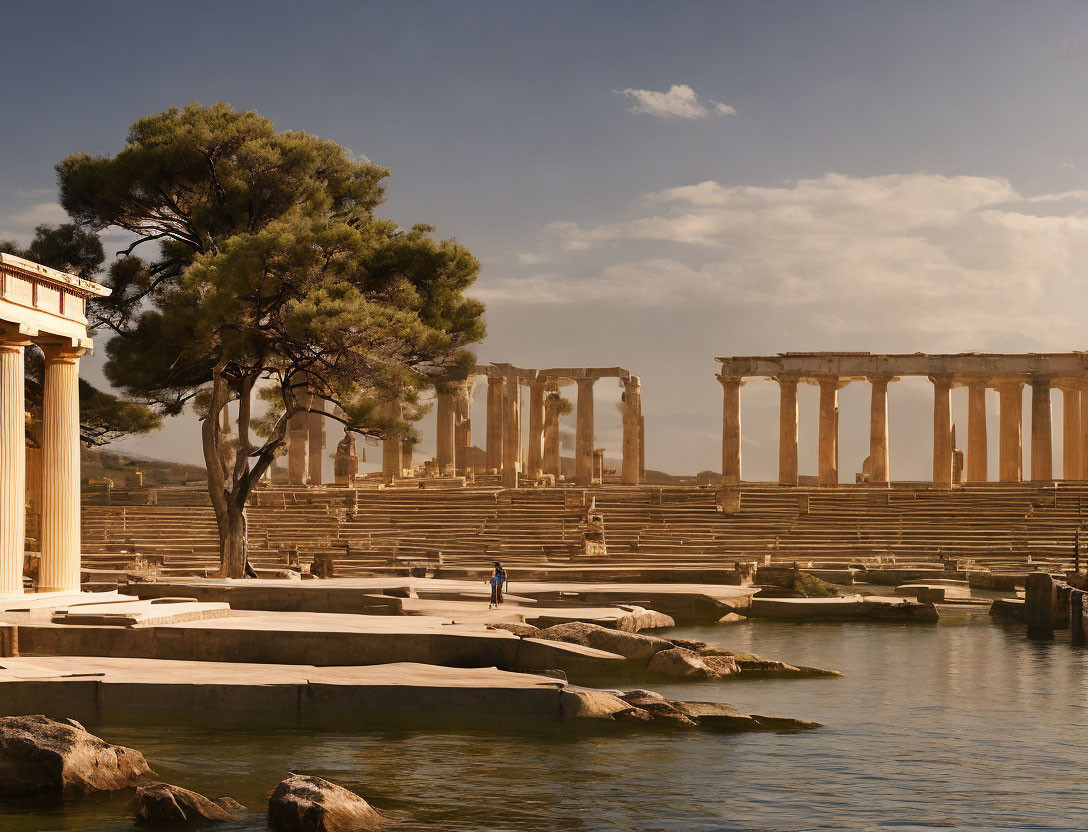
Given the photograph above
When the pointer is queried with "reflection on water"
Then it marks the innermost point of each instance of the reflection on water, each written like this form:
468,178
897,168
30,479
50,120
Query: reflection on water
962,725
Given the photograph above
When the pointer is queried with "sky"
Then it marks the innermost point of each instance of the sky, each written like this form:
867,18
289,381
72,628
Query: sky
647,185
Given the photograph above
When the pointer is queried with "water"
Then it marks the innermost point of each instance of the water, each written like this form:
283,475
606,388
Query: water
963,725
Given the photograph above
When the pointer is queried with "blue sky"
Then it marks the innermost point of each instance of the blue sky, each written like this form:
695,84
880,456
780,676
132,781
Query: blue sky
891,176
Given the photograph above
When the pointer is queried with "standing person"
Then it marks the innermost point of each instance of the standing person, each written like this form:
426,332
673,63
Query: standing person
498,585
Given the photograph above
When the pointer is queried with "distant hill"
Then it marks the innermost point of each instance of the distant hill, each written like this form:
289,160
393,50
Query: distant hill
97,463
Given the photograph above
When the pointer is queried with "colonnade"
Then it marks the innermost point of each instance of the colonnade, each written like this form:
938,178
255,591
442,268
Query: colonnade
1006,374
46,308
505,453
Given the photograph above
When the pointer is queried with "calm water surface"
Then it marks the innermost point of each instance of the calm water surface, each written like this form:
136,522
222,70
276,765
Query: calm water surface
962,725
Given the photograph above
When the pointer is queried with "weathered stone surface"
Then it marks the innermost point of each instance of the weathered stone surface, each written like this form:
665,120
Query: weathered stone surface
303,803
687,664
161,804
40,755
632,646
589,703
523,630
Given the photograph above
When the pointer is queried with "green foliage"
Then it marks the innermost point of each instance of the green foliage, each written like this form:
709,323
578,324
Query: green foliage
563,406
265,276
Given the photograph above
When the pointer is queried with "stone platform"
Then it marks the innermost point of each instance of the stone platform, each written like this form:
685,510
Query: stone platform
850,608
324,639
81,687
685,603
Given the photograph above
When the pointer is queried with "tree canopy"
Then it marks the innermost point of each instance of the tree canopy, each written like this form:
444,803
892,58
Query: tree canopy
262,267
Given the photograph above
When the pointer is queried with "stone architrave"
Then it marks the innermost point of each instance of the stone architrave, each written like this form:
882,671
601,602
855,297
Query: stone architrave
731,470
632,411
496,398
583,439
879,465
942,428
787,429
977,447
1042,462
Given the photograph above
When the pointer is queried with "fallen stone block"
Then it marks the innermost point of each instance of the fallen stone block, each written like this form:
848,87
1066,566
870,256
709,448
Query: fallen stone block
632,646
162,804
39,755
687,664
302,803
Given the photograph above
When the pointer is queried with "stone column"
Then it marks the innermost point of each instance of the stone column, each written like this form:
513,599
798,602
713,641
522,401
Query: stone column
632,410
446,436
787,429
1042,463
828,473
495,399
392,448
1071,432
977,449
641,447
942,428
879,467
1084,434
462,437
59,571
1010,447
552,461
535,459
511,432
583,436
12,466
298,444
316,447
731,430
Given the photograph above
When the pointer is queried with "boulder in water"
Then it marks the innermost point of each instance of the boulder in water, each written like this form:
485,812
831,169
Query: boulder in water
39,755
161,804
687,664
303,803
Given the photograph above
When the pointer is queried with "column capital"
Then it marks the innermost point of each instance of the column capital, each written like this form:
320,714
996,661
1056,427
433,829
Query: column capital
726,381
586,381
1007,383
1042,379
881,378
792,377
62,352
1070,384
942,379
12,343
829,381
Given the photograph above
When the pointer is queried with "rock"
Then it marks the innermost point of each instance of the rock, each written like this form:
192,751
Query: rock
162,804
589,703
639,698
687,664
633,715
632,646
731,618
667,712
783,723
523,630
643,619
302,803
697,646
39,755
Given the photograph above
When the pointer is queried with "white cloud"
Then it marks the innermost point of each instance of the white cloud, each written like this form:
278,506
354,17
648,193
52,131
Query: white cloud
20,225
919,259
680,101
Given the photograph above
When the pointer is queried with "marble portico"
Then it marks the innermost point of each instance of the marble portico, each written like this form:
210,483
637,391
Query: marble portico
46,308
1008,374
